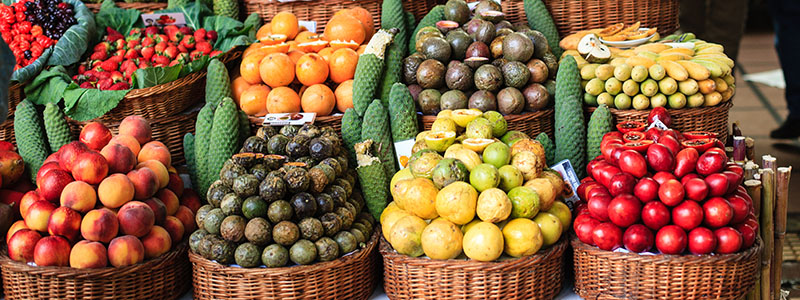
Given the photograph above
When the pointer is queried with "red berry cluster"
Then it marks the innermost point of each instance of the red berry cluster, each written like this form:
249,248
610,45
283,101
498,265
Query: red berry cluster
113,61
665,190
22,27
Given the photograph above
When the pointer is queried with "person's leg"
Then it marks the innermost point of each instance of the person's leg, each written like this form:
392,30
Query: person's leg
786,16
725,25
693,16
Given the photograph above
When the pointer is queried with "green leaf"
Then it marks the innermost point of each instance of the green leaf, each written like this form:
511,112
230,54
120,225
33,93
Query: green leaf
26,73
119,19
195,65
75,40
230,32
49,86
254,21
153,76
7,62
194,13
87,104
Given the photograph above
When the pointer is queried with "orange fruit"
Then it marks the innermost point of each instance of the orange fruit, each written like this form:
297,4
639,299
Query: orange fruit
314,46
342,64
264,30
306,36
273,39
276,70
344,95
302,90
318,99
364,17
254,100
326,53
295,55
346,28
285,23
283,100
344,44
249,68
252,48
239,85
311,69
277,48
292,45
361,49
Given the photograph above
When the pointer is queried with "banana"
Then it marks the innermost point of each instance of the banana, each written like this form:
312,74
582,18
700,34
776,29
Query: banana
673,57
709,48
722,86
617,61
729,79
674,70
640,61
713,68
654,47
684,51
695,70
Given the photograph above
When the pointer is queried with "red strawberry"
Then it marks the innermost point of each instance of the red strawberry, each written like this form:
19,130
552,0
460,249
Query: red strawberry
131,54
171,52
147,52
160,59
196,54
81,69
102,47
183,57
161,46
147,41
120,44
87,85
188,42
101,55
104,83
144,64
132,43
116,76
215,53
118,58
151,30
186,30
174,62
120,53
119,86
169,29
200,34
204,47
113,35
176,36
211,35
103,74
127,64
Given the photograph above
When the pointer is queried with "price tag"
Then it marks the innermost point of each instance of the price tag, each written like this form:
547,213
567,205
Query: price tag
402,150
657,124
310,25
289,119
163,19
571,181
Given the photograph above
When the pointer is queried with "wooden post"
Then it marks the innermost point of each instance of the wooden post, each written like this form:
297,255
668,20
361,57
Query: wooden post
739,149
781,202
754,190
750,170
767,230
750,146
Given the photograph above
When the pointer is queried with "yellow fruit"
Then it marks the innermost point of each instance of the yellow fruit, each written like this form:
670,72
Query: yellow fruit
674,70
493,205
417,196
447,113
466,156
722,86
406,235
654,47
707,86
468,226
695,70
456,202
483,242
441,239
444,124
546,191
522,237
462,117
555,179
550,227
640,61
440,140
400,175
532,146
392,207
562,212
712,99
389,220
684,51
672,56
476,144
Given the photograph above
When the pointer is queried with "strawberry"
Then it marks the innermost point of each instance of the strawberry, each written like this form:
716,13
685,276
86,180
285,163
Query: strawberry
87,85
186,30
188,42
135,31
131,54
127,64
119,86
117,58
211,35
102,74
175,36
120,44
104,83
120,53
147,41
171,52
160,38
151,30
169,29
116,76
102,47
215,53
147,52
81,69
132,43
174,62
204,47
200,34
160,59
182,49
161,46
196,54
109,65
144,64
100,55
113,35
183,57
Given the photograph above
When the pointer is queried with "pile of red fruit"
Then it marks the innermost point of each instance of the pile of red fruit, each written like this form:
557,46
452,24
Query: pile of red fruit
104,200
667,190
111,64
31,26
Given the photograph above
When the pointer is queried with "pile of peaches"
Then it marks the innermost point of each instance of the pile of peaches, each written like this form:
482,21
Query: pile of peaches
104,200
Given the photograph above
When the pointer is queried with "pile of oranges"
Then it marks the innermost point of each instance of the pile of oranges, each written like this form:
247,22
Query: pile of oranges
291,69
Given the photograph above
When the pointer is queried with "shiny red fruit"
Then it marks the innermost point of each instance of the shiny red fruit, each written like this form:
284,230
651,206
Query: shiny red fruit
696,189
607,236
718,212
688,215
671,192
741,208
598,207
631,126
584,229
655,215
748,234
622,183
702,241
633,163
711,162
638,238
662,177
729,240
717,184
671,239
686,160
624,210
660,158
646,189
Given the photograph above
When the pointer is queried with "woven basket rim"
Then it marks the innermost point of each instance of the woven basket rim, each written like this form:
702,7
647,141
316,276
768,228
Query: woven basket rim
260,120
358,255
695,110
66,272
754,250
527,114
180,82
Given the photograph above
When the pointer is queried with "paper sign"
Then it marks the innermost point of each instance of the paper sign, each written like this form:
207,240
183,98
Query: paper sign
402,150
657,124
289,119
164,19
572,182
310,25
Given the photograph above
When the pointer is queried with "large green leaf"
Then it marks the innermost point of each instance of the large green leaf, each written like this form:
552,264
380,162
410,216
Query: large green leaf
195,65
153,76
119,19
86,104
194,13
48,86
25,73
230,32
75,40
254,22
7,63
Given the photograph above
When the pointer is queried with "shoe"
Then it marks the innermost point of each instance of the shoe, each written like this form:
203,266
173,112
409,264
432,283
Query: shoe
789,130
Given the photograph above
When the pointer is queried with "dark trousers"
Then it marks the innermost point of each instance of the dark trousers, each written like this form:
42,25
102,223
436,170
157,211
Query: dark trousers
786,18
716,21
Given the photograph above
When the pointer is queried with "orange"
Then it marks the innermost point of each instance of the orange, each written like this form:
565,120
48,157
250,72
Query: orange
252,48
292,45
344,44
254,100
249,68
318,99
276,70
265,30
314,46
306,36
344,96
311,69
273,39
364,17
285,23
239,85
361,49
344,27
326,53
342,64
277,48
283,100
295,55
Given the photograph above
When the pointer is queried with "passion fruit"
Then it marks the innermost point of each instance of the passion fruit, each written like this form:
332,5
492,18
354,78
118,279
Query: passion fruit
484,177
517,47
410,66
478,49
417,195
510,177
510,101
483,100
456,202
499,123
423,162
439,140
456,11
436,48
516,74
493,205
447,171
453,99
459,77
429,101
488,77
441,239
536,97
445,26
483,241
430,74
459,41
485,32
496,47
497,154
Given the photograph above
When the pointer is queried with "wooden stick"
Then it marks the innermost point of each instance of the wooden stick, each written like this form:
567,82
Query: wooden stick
750,170
769,162
767,230
739,149
750,146
781,202
754,190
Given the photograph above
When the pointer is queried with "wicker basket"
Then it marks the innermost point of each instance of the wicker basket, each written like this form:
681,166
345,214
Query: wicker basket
713,119
538,276
165,277
572,16
530,123
144,7
322,11
350,277
603,274
16,93
334,121
7,131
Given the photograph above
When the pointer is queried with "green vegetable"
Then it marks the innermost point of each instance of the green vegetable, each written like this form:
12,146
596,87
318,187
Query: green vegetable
570,130
56,127
351,132
600,123
539,19
176,3
549,147
188,153
377,128
218,83
202,140
31,142
224,137
369,70
122,20
374,183
153,76
228,8
402,113
44,89
435,15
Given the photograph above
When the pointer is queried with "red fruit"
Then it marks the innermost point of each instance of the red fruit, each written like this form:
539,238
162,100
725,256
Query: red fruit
661,114
204,47
160,59
607,148
161,46
22,244
151,30
109,65
90,167
622,183
638,238
581,190
615,154
660,158
597,190
729,240
696,189
748,234
640,146
671,192
47,167
718,212
711,162
603,173
7,146
633,136
148,52
701,145
624,210
105,83
689,176
52,251
95,135
101,55
188,42
733,167
670,132
662,177
607,236
717,184
688,215
211,35
686,160
52,184
671,143
671,239
584,227
119,86
598,207
200,34
11,167
741,208
171,52
734,180
624,127
702,241
655,215
633,163
613,135
653,133
646,189
591,165
694,135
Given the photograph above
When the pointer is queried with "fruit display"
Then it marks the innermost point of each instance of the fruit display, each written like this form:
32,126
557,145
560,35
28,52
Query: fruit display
486,193
103,200
477,59
292,69
29,27
675,72
288,197
666,192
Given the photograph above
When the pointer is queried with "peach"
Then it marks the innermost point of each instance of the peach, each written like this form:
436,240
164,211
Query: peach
28,199
126,250
53,183
158,168
159,209
100,225
157,242
175,228
145,183
52,251
136,218
115,190
88,254
151,151
90,167
95,135
187,218
137,127
170,200
53,157
127,141
175,184
120,158
65,222
156,143
191,200
69,152
38,215
79,196
22,244
17,226
47,167
172,170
